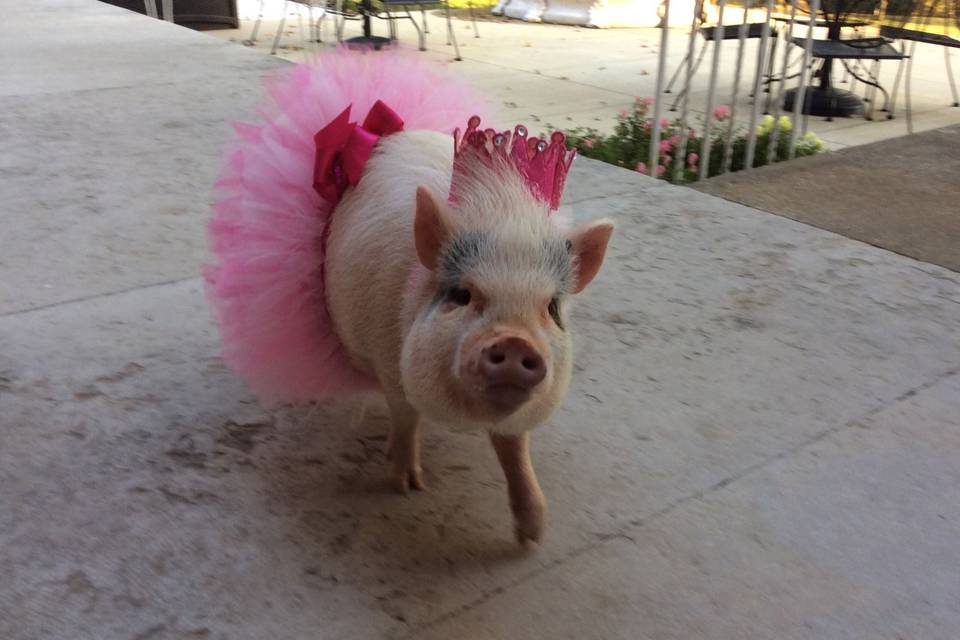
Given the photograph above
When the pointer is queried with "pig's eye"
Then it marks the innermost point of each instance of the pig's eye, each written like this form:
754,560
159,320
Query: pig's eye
554,311
459,297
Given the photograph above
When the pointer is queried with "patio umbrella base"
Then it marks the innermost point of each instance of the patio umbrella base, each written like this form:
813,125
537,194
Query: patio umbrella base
825,101
368,42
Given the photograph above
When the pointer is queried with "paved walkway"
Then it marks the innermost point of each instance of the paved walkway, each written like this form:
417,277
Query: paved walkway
761,439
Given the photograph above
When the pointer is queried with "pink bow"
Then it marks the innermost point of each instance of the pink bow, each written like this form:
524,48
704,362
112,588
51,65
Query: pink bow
343,148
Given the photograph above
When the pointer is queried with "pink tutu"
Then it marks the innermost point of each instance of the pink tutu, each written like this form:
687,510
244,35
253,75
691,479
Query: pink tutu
268,224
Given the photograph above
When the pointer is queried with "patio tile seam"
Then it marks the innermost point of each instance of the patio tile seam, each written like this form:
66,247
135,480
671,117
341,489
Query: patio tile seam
625,532
96,296
145,82
67,92
174,281
625,94
793,450
601,540
619,194
541,74
879,119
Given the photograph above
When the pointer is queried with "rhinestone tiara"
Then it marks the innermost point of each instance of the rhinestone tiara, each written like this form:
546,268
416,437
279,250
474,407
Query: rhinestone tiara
542,164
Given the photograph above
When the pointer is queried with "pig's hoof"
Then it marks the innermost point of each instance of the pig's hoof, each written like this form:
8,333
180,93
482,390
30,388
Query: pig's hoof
403,480
528,525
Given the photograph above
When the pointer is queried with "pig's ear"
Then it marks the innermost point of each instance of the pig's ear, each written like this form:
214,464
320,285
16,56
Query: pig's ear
430,228
589,244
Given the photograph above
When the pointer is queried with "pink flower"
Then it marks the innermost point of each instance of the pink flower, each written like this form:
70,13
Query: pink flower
624,113
664,122
644,101
588,143
692,159
722,112
665,146
641,167
666,159
648,125
660,170
675,140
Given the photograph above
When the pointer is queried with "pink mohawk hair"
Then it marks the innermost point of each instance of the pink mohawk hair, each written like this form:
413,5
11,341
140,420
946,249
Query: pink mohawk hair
542,165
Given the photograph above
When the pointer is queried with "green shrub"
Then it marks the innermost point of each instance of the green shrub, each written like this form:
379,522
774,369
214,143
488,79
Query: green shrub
629,145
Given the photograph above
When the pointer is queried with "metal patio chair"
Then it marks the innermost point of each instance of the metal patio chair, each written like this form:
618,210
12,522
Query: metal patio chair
310,5
423,5
709,34
390,11
916,23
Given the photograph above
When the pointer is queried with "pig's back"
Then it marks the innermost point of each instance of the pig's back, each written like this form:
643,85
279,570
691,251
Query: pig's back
370,250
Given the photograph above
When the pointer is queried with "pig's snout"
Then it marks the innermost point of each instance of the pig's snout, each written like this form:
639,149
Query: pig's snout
511,367
514,362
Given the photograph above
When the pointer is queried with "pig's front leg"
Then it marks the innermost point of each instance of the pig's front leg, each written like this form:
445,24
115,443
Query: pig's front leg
404,447
526,499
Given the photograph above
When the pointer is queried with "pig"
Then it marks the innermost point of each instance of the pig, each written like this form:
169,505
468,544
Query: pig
458,307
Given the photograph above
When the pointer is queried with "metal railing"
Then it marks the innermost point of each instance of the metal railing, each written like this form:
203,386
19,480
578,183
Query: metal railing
768,85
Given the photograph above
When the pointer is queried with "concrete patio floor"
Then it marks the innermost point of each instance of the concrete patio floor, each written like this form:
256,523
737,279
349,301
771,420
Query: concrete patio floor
569,76
761,440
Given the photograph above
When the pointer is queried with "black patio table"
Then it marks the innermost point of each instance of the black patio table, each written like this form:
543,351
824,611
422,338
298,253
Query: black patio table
820,22
834,26
827,100
368,11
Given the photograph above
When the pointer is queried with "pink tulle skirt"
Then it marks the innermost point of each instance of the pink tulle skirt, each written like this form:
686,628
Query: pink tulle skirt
266,287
